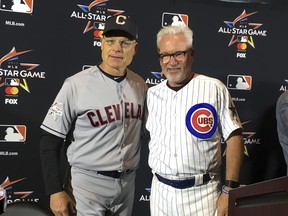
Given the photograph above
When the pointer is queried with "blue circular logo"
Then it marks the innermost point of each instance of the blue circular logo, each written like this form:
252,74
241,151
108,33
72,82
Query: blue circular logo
201,120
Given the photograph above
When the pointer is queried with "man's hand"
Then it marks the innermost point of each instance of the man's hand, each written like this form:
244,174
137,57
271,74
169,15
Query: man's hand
62,205
222,205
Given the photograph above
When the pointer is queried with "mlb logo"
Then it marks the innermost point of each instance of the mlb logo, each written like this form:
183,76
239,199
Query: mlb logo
174,19
241,38
98,29
12,82
17,6
239,82
99,25
12,133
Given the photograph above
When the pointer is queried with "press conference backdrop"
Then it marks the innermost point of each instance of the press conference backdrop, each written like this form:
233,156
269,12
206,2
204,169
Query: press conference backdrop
42,42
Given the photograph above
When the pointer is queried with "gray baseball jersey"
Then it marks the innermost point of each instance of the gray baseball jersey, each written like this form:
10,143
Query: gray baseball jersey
105,118
282,123
186,127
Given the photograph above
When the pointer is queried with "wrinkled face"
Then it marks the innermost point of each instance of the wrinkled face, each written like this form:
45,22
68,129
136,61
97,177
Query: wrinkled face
117,52
175,59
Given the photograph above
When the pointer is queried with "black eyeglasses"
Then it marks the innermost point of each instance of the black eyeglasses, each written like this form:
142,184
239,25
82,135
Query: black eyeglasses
123,43
178,56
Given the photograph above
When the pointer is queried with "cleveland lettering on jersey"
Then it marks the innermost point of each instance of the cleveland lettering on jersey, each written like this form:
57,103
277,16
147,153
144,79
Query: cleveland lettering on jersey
113,113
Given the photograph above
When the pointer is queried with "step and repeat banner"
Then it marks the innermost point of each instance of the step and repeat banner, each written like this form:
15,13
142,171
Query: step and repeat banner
42,42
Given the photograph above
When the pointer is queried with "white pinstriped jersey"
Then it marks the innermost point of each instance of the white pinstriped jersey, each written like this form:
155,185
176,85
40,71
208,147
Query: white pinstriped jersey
186,127
105,117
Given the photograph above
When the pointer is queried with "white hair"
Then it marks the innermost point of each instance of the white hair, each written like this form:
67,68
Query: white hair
173,30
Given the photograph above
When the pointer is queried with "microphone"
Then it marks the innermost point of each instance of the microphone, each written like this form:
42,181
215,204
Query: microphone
3,200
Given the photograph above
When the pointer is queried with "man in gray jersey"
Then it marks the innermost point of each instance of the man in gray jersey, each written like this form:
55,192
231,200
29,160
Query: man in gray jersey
188,116
282,123
98,113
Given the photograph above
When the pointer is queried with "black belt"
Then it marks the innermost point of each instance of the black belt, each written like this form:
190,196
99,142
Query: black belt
181,184
114,174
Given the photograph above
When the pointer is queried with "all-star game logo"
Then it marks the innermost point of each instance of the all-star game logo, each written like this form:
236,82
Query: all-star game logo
94,15
14,72
157,78
242,32
284,87
249,138
15,194
145,197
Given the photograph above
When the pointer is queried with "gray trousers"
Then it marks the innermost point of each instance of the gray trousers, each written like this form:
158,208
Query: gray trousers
98,195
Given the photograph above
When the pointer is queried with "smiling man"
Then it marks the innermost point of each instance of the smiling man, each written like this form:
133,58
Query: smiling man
188,115
98,112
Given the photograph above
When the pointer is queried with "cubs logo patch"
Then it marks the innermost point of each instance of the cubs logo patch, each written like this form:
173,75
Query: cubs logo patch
201,120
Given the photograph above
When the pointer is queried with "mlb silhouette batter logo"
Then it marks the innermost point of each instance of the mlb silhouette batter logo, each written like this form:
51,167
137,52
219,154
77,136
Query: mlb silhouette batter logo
12,133
201,120
239,82
18,6
174,19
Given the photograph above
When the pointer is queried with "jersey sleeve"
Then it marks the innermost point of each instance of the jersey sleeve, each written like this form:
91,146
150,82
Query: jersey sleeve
229,119
61,114
282,123
282,113
50,154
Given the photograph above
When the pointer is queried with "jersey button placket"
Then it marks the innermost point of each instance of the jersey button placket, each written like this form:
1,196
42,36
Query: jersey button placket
122,107
173,131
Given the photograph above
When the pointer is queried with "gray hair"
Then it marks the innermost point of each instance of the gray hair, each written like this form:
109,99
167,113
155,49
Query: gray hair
173,30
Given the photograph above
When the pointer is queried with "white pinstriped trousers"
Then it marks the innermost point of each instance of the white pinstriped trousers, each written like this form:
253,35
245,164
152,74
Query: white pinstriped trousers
195,201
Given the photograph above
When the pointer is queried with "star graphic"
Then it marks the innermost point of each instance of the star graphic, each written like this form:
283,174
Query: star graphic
158,75
8,185
12,55
240,22
247,135
148,189
88,9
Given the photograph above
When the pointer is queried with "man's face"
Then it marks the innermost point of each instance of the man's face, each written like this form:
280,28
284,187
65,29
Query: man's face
176,68
117,52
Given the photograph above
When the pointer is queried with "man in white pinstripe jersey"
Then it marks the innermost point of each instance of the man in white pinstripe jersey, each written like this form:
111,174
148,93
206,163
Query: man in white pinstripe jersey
188,116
